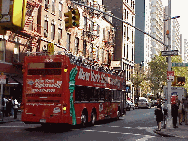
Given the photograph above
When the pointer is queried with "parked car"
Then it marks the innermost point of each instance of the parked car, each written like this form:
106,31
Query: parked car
154,103
143,103
130,105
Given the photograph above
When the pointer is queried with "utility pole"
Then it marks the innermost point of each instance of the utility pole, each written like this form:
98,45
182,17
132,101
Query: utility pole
169,120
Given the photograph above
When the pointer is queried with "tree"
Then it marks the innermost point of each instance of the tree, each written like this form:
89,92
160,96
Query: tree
137,77
158,73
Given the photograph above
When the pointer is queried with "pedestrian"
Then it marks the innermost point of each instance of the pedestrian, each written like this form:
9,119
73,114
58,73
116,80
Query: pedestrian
15,108
9,105
12,106
4,103
180,113
159,115
174,112
186,110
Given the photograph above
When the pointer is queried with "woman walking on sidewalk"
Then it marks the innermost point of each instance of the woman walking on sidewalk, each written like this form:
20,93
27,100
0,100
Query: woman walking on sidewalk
159,115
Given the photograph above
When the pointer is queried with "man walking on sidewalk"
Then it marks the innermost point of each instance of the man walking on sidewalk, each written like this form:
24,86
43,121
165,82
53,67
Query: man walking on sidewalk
186,110
174,112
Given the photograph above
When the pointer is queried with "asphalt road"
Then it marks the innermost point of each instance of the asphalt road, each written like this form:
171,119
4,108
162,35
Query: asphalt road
136,125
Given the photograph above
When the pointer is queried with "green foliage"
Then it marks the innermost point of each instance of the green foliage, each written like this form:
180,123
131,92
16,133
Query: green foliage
158,72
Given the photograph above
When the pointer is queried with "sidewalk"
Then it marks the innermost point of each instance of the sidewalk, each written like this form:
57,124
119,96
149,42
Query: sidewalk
11,119
181,131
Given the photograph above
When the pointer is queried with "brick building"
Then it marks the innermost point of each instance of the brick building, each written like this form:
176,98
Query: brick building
44,23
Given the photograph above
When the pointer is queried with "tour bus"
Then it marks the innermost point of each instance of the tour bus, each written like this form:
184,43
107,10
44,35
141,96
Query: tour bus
59,89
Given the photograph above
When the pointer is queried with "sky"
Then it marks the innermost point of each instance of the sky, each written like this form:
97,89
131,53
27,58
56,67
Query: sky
180,8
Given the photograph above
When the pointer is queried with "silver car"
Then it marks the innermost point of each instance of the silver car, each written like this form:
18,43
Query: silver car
144,103
130,105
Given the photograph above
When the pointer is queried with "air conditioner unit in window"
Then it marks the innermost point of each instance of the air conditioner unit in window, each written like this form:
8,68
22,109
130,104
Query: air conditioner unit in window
47,6
60,41
45,33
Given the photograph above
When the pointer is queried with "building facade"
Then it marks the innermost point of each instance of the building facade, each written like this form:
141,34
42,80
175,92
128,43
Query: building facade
176,35
125,37
149,18
93,40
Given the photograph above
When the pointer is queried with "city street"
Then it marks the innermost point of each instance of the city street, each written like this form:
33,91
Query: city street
136,125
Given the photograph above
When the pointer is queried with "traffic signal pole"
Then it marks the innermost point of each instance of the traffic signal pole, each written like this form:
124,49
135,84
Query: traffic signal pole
169,119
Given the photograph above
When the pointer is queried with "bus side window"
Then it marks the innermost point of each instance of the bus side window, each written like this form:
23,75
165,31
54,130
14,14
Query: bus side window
109,95
77,93
102,93
82,93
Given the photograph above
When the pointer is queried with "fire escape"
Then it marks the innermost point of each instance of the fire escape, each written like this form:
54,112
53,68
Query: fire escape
32,30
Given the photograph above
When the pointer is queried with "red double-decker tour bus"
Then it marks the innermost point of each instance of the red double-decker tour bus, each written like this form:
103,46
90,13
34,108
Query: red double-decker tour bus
58,89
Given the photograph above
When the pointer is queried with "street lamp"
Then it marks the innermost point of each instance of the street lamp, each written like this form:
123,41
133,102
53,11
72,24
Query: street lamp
171,18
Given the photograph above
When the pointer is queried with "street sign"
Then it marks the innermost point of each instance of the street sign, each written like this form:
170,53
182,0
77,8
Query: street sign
170,75
179,64
169,53
2,79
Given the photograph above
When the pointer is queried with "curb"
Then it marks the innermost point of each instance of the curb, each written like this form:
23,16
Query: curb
163,134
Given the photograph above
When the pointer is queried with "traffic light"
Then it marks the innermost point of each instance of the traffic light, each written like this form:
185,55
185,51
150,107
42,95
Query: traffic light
181,81
178,81
75,17
68,20
12,14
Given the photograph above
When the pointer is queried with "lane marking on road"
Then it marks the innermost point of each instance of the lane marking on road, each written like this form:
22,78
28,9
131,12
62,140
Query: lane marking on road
103,131
126,133
97,125
11,126
127,127
145,138
89,130
114,132
114,126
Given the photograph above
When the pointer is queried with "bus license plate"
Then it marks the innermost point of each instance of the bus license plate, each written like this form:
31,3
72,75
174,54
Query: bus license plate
43,120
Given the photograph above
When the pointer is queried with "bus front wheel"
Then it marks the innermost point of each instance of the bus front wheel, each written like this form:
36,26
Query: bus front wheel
93,118
83,119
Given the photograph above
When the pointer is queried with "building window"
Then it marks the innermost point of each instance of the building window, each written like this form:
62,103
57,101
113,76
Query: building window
47,4
76,45
60,10
2,50
85,23
92,25
68,41
124,50
102,55
59,35
16,52
53,6
132,20
132,54
132,38
103,33
52,31
98,29
127,33
46,28
84,47
127,15
127,51
91,51
124,31
133,5
108,36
